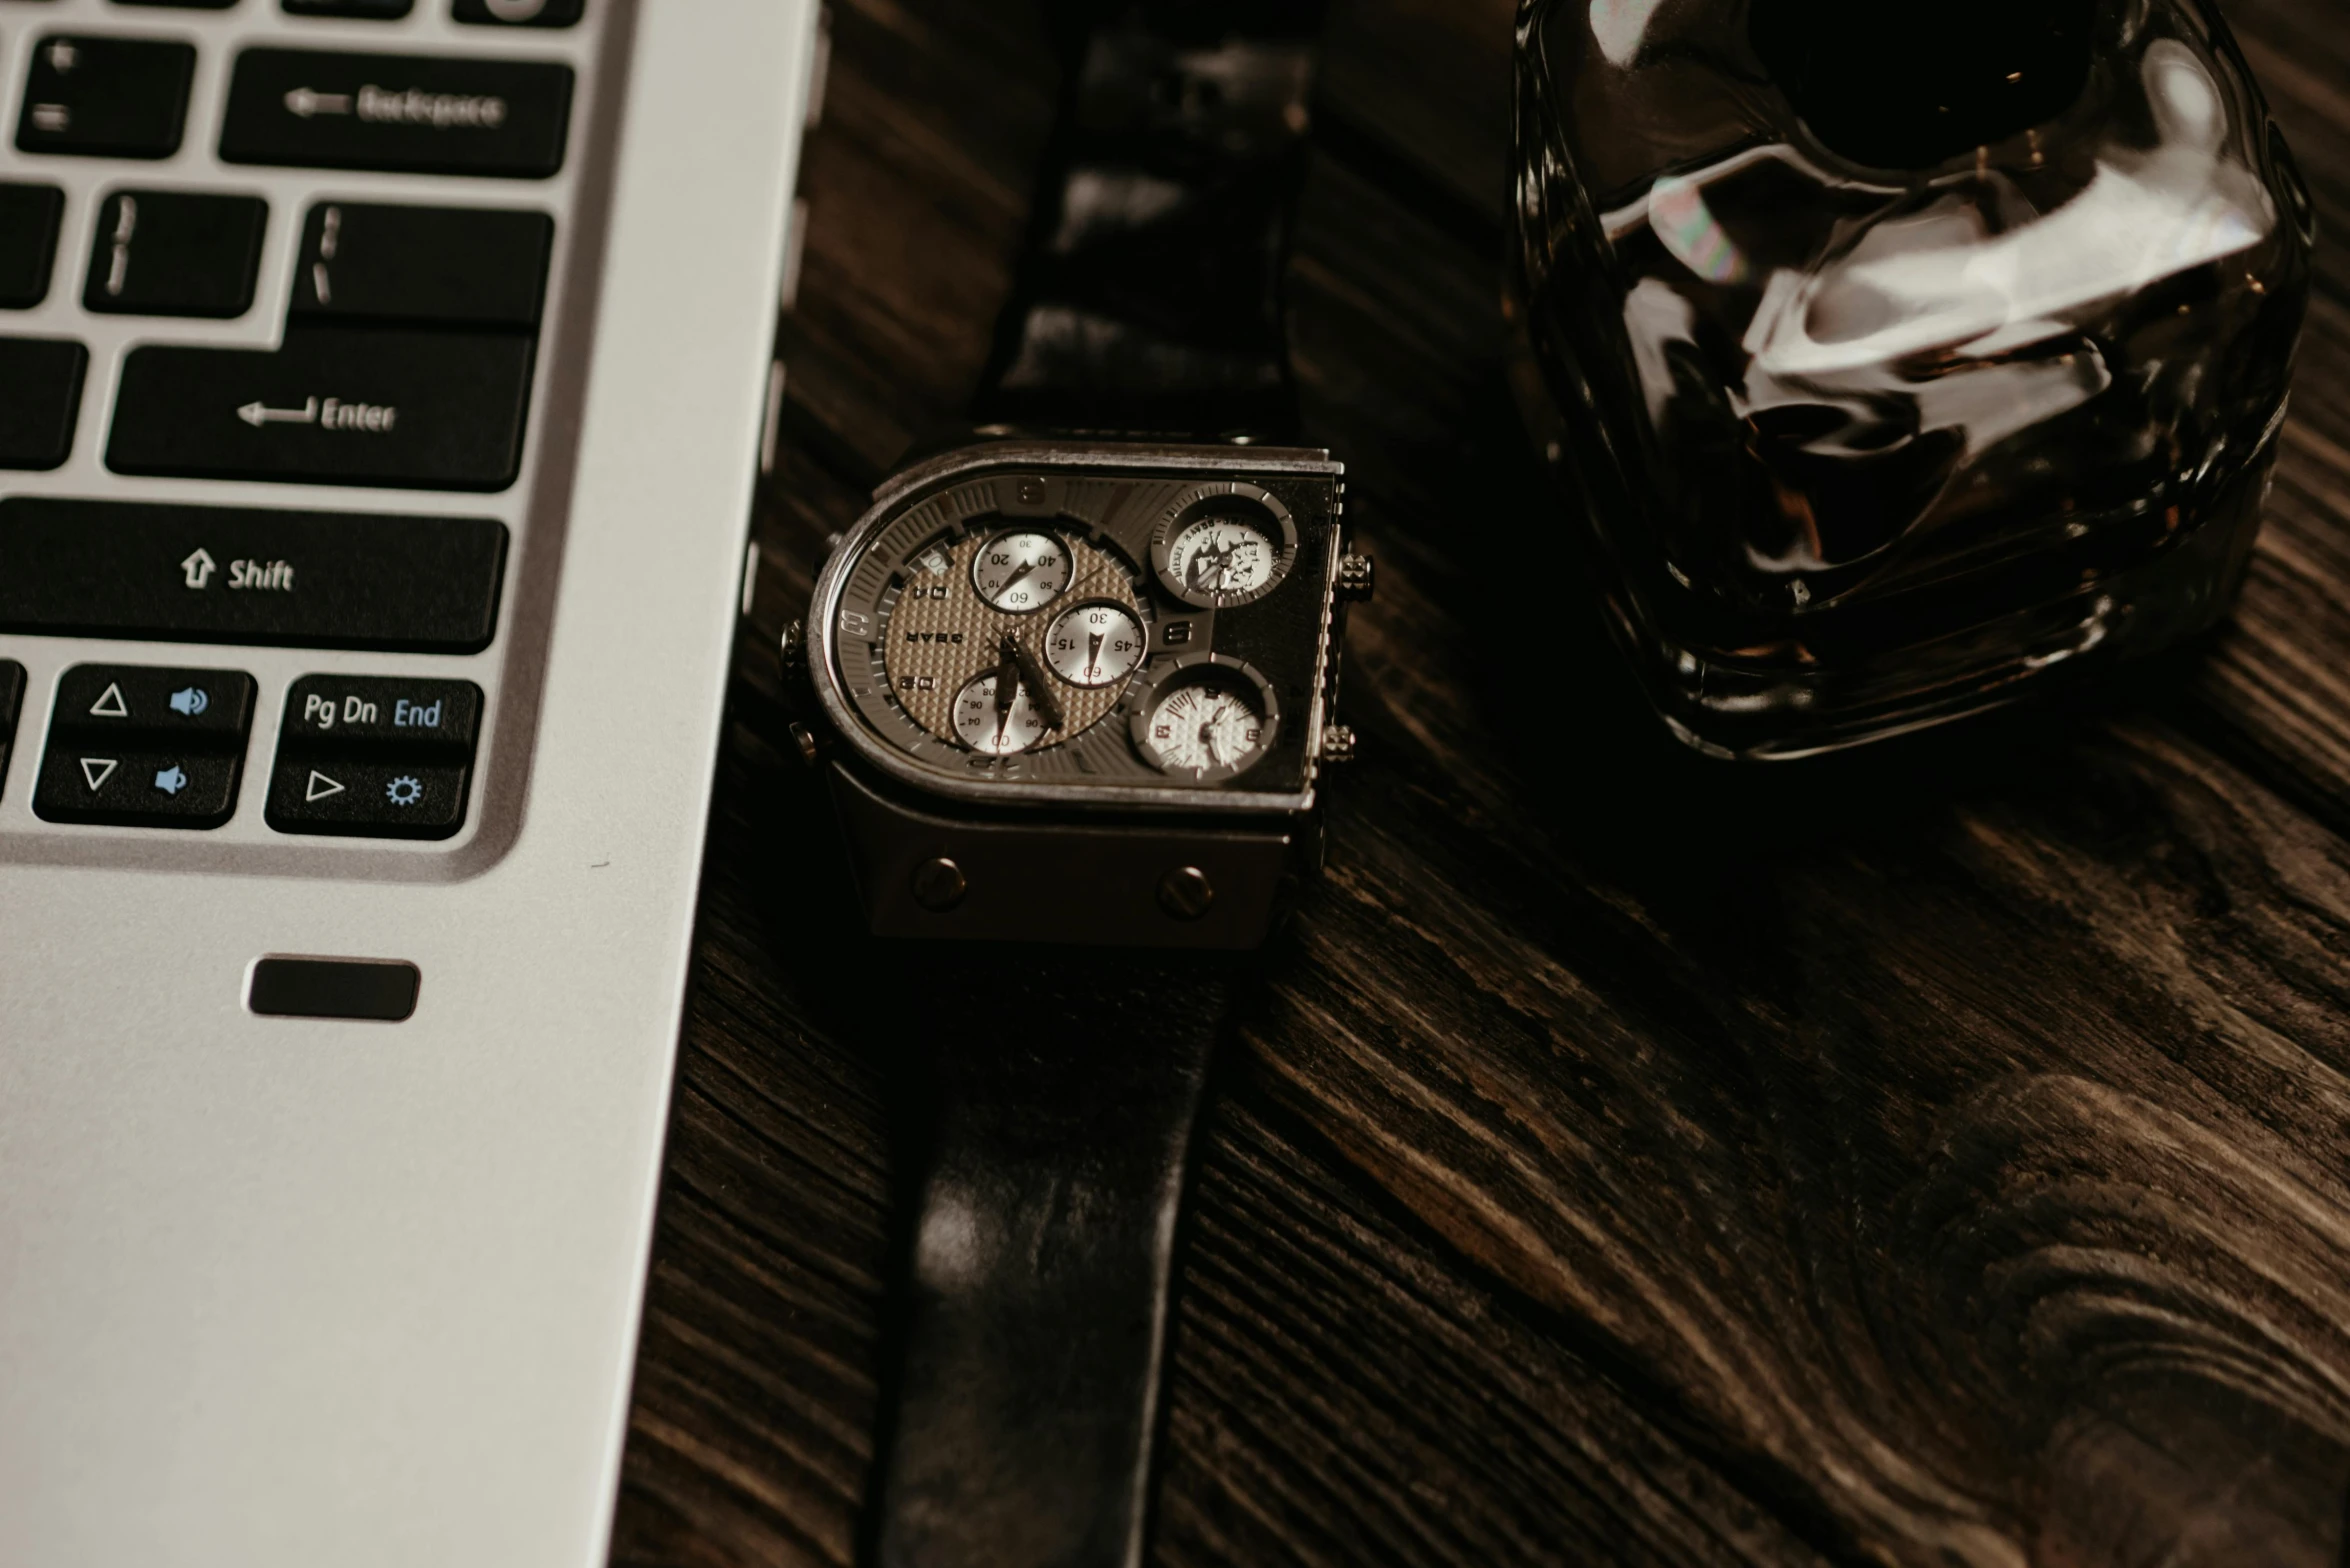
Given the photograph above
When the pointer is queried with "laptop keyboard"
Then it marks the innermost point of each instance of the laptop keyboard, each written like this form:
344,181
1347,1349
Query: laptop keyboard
275,285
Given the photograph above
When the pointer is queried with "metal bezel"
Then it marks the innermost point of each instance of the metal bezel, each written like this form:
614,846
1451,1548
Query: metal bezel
1199,498
1143,696
1076,458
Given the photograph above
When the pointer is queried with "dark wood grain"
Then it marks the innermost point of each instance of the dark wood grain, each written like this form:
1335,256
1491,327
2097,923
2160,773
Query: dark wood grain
1938,1157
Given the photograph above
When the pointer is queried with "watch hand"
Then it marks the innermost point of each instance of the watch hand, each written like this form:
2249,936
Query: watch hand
1007,689
1040,690
1093,656
1210,567
1207,737
1017,578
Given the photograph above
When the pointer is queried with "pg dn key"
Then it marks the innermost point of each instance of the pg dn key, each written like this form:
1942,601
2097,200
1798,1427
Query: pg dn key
375,757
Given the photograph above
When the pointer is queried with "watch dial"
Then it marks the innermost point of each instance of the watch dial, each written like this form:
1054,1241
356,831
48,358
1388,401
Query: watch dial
1022,571
1095,645
987,722
941,632
1223,558
1211,725
1086,635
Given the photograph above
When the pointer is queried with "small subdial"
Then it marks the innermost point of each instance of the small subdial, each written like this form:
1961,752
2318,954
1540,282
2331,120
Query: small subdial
1022,571
1211,727
997,728
1222,558
1095,645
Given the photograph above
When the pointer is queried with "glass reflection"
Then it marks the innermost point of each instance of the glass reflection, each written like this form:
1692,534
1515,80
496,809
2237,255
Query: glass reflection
1899,365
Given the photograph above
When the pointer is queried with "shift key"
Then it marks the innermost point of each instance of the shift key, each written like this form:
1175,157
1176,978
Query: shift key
422,410
158,571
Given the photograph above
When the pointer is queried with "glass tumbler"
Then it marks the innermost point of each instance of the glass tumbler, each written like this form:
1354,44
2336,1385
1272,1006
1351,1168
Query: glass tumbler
1902,356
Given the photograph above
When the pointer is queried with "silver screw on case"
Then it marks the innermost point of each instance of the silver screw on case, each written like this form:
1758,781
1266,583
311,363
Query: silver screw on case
939,885
1186,893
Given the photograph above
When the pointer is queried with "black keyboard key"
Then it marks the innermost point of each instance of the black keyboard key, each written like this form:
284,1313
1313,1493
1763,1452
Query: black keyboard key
40,400
168,253
142,747
411,114
365,797
106,97
361,10
371,711
449,266
29,216
86,778
427,410
11,700
382,990
383,757
520,13
166,706
175,573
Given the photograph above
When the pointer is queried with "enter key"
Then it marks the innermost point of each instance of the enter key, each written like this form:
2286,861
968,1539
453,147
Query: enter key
420,410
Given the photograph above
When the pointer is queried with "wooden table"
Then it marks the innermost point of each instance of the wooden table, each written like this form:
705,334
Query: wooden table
1937,1158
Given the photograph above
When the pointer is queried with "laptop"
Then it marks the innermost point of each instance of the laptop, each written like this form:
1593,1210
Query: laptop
382,388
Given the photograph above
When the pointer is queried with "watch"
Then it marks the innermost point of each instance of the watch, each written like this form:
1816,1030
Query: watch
1073,688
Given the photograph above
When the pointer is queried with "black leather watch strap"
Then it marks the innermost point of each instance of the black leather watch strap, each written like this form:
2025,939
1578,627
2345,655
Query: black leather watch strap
1043,1254
1150,300
1068,1084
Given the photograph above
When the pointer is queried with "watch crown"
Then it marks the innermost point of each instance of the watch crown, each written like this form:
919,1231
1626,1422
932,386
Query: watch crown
1338,743
804,741
795,645
1355,576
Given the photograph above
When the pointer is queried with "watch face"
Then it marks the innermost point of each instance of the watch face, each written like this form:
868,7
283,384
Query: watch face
1081,631
1222,545
1206,721
998,718
1096,645
1021,569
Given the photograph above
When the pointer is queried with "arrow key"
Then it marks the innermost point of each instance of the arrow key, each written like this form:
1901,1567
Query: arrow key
210,706
136,787
367,797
